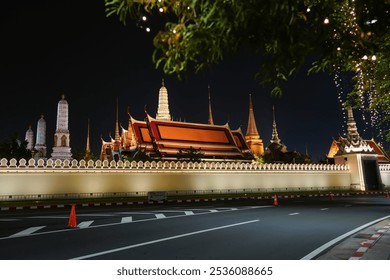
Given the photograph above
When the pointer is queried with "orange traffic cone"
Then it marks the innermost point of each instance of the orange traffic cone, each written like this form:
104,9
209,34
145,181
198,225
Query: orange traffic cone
387,195
276,200
72,218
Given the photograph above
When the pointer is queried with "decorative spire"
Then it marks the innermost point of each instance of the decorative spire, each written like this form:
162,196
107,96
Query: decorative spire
252,129
354,143
275,137
117,136
163,106
88,148
210,120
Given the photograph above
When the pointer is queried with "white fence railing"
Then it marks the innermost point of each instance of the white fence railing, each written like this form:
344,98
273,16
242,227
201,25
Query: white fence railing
170,165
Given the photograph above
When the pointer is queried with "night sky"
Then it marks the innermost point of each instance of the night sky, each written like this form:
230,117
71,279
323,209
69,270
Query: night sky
49,48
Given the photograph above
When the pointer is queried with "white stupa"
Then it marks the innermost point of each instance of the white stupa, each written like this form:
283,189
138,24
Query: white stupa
61,147
29,138
163,105
40,144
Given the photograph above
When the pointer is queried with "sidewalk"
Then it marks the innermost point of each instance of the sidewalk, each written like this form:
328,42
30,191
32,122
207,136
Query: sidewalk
372,243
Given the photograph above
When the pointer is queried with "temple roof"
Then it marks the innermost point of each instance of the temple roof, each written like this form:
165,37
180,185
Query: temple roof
337,148
167,138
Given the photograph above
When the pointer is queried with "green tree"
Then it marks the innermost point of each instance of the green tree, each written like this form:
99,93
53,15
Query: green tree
14,148
338,36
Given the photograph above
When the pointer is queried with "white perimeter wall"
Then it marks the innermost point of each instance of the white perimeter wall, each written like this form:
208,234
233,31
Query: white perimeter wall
102,177
385,174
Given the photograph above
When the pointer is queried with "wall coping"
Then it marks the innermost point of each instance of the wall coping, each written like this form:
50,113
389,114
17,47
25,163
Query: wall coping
65,165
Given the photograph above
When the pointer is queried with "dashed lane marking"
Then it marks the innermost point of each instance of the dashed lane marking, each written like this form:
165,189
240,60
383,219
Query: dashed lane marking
324,209
160,216
8,220
27,231
85,224
161,240
293,214
127,220
209,211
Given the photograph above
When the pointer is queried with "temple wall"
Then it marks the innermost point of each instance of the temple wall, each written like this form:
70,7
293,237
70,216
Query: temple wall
385,174
56,178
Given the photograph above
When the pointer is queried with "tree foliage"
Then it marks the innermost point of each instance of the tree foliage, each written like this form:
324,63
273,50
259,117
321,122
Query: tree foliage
334,35
14,148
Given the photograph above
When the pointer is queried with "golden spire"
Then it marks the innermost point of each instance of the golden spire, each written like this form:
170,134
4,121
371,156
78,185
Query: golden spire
275,137
117,136
88,148
252,129
210,120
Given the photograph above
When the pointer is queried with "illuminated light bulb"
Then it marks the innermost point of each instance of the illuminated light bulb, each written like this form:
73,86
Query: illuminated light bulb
373,57
339,49
365,57
161,10
308,10
174,31
144,18
188,8
147,29
326,20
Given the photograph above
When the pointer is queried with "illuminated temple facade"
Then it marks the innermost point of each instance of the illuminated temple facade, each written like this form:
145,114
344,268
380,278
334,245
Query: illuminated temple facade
163,138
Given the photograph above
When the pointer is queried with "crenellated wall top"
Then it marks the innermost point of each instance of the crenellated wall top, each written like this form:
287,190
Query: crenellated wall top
32,164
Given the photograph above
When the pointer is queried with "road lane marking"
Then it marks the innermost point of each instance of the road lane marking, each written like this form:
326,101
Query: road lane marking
48,217
293,214
95,215
138,221
8,220
161,240
331,243
188,212
27,231
324,209
140,213
85,224
160,216
127,220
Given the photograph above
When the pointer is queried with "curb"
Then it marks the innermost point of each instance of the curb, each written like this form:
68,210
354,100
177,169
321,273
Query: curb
369,243
97,204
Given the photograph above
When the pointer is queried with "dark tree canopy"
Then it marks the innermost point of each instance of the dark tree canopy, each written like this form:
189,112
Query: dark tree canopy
14,148
338,36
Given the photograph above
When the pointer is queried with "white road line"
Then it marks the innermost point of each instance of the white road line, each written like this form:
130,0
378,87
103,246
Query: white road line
324,209
140,213
160,216
324,247
160,240
27,231
188,212
48,217
8,220
95,215
85,224
127,220
137,221
293,214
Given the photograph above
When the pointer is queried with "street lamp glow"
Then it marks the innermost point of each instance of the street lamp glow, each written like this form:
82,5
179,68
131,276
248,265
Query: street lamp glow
326,20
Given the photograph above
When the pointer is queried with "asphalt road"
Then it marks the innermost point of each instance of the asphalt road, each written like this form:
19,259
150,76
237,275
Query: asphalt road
238,230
